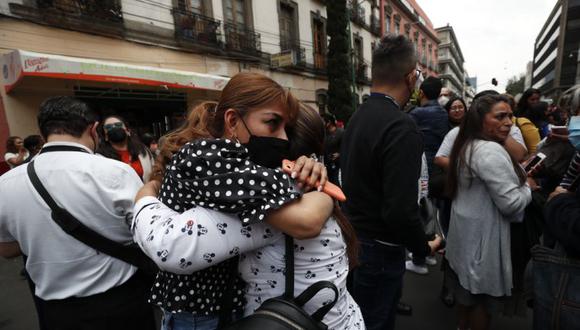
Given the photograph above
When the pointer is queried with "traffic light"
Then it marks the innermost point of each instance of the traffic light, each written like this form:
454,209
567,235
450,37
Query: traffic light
494,81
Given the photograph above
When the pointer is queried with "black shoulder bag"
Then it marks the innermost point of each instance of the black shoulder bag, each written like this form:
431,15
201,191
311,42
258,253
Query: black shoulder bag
286,312
130,254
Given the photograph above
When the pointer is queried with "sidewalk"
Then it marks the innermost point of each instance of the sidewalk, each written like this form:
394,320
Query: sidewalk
422,292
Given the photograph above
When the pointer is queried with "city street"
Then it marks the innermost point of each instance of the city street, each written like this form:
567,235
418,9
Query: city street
17,311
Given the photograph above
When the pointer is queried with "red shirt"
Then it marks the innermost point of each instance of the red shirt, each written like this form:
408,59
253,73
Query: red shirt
126,158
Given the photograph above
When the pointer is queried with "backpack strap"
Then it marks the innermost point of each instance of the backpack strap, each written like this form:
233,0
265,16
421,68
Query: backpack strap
84,234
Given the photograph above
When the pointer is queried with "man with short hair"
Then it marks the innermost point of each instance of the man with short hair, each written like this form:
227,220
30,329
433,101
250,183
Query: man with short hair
431,118
445,95
381,163
79,288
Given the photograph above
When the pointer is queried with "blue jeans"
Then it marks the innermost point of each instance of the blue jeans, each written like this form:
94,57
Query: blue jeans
378,283
556,290
188,321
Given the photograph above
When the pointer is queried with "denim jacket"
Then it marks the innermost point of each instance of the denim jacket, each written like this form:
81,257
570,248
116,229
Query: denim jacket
433,122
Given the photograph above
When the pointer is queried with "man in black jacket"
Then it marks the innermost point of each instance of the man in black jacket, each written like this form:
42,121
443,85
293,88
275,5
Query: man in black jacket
381,162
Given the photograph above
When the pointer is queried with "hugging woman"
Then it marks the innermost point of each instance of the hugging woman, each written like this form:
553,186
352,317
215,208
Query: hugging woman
230,167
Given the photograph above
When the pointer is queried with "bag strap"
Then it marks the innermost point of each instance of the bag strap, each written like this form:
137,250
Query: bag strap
84,234
311,291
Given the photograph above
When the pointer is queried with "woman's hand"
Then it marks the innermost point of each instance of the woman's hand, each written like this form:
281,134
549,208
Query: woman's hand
533,184
310,174
151,188
558,191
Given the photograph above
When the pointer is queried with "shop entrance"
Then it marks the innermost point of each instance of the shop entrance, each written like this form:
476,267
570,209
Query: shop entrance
146,111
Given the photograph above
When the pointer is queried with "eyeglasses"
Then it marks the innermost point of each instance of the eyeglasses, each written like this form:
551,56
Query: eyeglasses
111,126
457,108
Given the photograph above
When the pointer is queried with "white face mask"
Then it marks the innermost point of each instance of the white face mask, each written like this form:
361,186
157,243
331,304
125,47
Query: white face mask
443,100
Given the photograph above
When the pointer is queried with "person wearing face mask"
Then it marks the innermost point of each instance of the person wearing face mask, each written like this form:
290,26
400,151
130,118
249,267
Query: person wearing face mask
431,119
445,95
261,246
381,164
557,259
226,159
77,287
118,143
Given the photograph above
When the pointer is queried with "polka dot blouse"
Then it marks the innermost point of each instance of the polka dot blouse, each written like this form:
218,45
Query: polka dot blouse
216,174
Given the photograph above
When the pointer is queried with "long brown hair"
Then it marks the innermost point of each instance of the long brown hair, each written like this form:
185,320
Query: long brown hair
11,144
472,129
307,137
244,93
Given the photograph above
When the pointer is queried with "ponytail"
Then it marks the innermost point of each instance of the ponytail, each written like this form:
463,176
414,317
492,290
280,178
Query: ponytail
195,127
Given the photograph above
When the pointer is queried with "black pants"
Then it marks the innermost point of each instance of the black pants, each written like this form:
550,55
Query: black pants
124,308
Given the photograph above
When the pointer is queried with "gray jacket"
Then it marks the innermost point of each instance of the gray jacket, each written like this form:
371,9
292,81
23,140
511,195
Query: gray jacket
478,247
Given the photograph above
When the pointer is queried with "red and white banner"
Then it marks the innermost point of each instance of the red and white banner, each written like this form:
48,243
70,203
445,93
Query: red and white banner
19,64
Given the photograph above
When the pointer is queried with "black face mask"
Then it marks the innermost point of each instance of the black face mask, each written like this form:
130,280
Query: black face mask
117,135
267,151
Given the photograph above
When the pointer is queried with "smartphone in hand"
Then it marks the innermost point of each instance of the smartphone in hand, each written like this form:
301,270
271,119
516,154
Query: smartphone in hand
534,162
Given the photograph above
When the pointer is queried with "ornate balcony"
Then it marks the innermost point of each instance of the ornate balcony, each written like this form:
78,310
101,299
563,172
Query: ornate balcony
357,13
241,39
193,27
101,16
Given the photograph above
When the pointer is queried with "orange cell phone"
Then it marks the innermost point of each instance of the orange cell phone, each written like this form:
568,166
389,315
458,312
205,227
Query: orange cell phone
330,189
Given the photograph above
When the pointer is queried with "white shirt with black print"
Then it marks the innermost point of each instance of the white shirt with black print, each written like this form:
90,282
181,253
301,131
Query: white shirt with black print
262,255
216,174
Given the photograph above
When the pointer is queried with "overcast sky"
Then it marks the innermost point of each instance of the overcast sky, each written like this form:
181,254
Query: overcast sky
496,37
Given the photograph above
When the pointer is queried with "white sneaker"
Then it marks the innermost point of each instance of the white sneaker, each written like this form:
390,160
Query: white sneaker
431,261
410,266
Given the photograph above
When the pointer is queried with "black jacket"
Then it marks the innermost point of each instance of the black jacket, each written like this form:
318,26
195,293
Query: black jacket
562,216
381,163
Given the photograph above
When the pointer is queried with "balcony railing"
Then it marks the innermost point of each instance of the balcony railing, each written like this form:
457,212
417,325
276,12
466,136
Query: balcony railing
91,16
375,25
357,13
104,10
194,27
242,39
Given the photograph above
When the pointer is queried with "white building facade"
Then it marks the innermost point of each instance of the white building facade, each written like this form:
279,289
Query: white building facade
140,53
450,60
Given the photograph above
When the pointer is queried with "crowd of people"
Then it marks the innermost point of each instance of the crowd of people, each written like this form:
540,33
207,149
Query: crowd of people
213,228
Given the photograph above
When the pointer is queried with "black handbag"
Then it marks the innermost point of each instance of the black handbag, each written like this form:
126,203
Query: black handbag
286,312
130,254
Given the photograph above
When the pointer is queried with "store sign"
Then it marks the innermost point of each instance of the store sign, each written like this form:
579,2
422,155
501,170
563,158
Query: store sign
19,63
284,59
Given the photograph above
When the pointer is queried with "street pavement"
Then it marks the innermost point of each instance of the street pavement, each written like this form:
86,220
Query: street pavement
421,291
